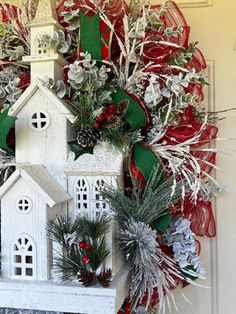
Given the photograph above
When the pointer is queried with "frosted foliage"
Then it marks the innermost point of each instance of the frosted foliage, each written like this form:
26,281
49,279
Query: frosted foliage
183,242
85,72
9,91
146,260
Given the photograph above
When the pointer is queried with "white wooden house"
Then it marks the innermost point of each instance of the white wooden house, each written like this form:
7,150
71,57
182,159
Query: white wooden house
48,182
29,199
86,176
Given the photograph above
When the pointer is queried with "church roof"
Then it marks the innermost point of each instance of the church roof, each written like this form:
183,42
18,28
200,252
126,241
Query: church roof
41,181
105,160
31,90
46,13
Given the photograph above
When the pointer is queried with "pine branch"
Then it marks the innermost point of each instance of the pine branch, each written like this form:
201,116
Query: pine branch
147,205
94,228
83,245
59,229
69,263
119,137
98,254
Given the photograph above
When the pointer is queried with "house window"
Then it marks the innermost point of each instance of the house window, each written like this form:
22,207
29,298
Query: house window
99,204
24,205
24,258
82,196
43,49
88,200
39,121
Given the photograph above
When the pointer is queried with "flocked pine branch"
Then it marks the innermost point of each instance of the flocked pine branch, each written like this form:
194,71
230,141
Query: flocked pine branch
148,205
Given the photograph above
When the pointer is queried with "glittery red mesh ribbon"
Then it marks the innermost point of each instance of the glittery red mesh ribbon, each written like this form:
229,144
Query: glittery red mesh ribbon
8,13
188,128
24,80
175,19
159,53
201,217
125,309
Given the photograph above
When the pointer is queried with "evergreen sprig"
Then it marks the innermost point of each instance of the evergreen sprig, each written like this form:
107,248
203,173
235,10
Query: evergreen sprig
70,234
68,263
94,228
121,138
59,228
145,205
83,108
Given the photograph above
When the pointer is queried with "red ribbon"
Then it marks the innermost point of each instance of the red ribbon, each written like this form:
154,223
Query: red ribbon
201,217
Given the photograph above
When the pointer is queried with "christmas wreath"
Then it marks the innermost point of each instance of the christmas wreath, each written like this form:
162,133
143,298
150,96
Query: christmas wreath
134,81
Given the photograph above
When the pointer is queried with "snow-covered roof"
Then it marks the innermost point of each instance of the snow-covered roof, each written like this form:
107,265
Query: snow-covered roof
41,181
31,90
105,159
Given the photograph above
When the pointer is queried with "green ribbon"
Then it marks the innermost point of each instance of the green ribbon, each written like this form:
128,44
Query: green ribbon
145,160
135,114
90,36
162,223
6,123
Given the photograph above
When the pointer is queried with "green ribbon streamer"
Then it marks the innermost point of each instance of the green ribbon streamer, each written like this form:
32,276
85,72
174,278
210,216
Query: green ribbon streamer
90,36
135,115
162,223
6,123
145,160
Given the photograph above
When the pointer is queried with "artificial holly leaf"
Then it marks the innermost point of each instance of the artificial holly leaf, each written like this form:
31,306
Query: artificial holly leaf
6,123
162,223
78,150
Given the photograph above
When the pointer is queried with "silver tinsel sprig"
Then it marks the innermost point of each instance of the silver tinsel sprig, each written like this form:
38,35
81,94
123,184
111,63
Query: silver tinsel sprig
137,238
151,268
209,190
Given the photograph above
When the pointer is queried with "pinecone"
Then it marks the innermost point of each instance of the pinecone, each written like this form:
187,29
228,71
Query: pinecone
86,278
123,105
88,137
114,121
105,278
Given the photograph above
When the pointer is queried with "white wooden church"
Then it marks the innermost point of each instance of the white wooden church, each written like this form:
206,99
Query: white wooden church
47,182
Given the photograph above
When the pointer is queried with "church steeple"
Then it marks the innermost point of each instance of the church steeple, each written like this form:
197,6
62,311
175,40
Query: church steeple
45,60
46,13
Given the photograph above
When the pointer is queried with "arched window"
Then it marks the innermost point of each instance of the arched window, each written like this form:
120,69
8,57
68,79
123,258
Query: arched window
98,204
82,196
43,48
88,200
24,258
